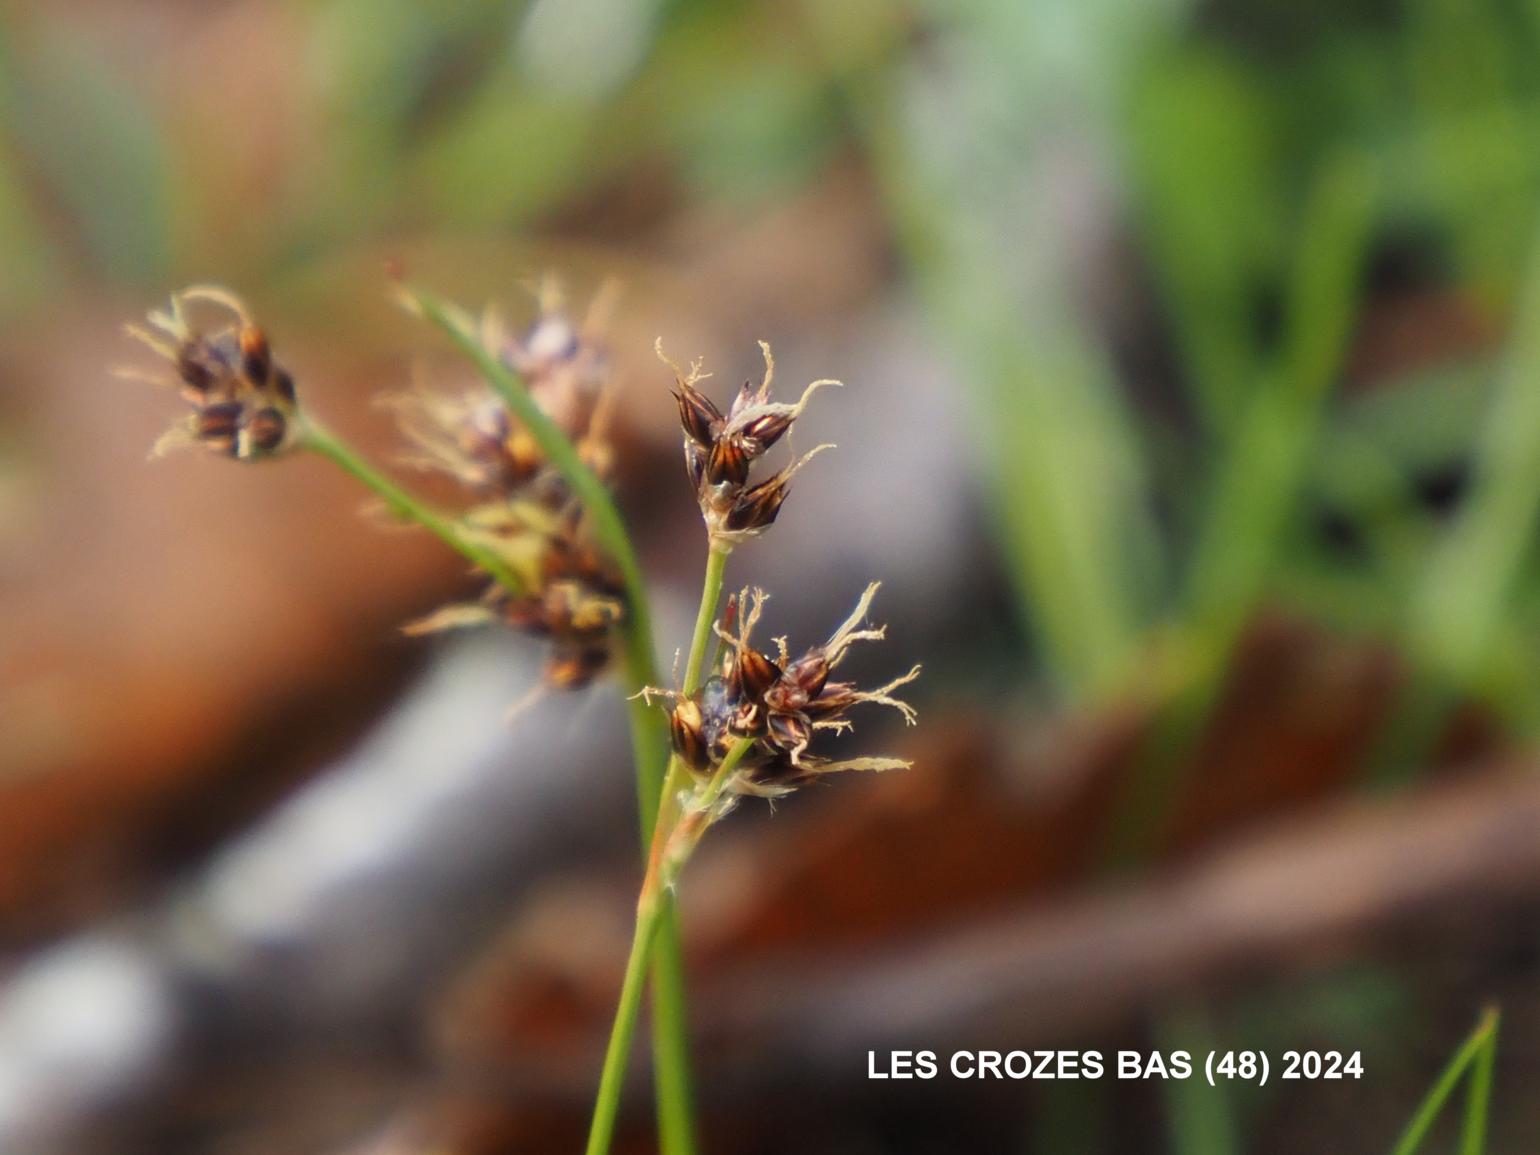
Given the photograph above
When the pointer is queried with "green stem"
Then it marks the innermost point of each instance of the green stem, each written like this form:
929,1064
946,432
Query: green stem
677,777
317,438
718,782
601,1131
652,909
673,1090
670,1053
649,736
710,595
1478,1095
1480,1041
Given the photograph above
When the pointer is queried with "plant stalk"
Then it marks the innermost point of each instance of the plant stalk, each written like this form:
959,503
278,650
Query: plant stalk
317,438
649,738
711,594
665,808
664,862
602,1129
1473,1052
676,779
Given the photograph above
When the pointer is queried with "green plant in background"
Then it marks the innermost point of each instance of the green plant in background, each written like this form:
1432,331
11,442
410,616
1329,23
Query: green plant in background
1200,1119
1259,181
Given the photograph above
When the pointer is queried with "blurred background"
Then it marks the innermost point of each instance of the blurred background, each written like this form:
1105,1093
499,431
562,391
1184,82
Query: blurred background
1192,424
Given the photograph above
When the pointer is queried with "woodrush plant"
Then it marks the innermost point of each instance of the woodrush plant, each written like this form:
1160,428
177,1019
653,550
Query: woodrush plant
530,448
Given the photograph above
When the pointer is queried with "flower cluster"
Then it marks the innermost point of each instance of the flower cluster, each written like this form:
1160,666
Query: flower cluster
719,450
473,438
520,506
779,703
243,401
557,585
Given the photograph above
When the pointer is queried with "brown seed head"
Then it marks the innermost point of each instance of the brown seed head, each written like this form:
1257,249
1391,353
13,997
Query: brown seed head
756,509
779,705
802,681
720,450
789,733
265,430
695,466
747,721
810,672
727,463
256,356
700,419
217,421
528,614
196,366
835,698
763,431
752,673
686,730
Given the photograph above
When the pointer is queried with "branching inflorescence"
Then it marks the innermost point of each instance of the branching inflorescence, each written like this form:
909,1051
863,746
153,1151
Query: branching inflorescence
529,448
523,508
749,727
520,521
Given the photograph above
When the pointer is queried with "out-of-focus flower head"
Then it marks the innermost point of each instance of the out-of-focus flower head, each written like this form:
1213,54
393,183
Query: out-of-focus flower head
471,435
564,363
243,402
574,600
520,506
